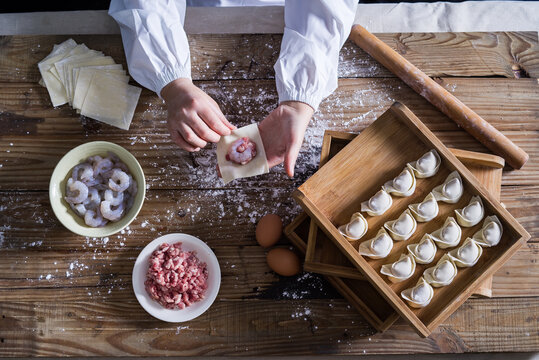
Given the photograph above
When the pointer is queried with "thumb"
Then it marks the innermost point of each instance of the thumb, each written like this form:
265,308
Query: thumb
291,157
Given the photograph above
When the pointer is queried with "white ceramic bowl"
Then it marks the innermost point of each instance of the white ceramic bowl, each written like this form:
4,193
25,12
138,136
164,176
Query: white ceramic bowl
204,254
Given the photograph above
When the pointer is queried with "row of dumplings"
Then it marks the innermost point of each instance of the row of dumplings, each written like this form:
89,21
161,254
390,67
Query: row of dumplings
449,191
403,185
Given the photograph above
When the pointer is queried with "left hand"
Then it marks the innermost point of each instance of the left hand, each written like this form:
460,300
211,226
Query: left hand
282,133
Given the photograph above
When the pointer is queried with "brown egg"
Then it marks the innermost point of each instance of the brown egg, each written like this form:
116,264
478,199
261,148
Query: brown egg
269,230
283,261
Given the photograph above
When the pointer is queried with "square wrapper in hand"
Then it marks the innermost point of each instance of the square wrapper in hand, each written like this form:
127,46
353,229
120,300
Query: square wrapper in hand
229,169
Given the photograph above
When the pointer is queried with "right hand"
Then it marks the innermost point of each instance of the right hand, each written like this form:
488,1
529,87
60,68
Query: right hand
194,118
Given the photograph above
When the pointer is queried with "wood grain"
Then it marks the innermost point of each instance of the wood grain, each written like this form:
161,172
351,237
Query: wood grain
252,56
331,195
121,328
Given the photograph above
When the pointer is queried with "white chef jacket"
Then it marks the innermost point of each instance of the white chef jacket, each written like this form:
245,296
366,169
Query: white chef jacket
157,49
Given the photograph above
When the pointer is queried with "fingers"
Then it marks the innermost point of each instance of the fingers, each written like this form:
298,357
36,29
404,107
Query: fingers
220,115
290,157
201,129
190,137
177,138
214,121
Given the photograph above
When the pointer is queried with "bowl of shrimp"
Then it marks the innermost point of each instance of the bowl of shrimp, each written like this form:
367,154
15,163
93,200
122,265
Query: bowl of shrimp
97,189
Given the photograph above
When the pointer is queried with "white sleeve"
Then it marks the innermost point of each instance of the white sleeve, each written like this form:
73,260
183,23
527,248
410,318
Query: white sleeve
315,31
154,40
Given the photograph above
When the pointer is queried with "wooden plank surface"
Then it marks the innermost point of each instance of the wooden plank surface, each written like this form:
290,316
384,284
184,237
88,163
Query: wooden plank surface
257,312
252,56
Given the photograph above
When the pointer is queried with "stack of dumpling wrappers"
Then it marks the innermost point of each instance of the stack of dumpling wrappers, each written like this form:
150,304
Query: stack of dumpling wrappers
90,82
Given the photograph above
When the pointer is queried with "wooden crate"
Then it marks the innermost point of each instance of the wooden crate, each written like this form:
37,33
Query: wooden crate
379,154
359,293
324,257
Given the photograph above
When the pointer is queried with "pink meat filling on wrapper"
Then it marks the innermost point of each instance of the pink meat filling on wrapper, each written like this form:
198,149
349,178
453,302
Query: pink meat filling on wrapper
176,278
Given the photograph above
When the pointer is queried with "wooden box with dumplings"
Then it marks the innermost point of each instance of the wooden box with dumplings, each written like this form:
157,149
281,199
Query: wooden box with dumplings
384,156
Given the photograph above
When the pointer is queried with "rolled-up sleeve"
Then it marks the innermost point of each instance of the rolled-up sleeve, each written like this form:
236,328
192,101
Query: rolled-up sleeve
315,31
154,40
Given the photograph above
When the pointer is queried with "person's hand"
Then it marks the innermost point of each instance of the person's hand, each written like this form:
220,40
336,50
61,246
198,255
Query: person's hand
194,118
282,133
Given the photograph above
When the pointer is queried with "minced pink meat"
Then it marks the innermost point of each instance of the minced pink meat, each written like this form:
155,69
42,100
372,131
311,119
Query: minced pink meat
175,278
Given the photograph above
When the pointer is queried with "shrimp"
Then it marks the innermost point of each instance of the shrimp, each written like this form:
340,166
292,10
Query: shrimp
79,209
79,191
241,151
82,172
93,200
115,198
133,188
102,165
94,218
94,160
119,180
108,213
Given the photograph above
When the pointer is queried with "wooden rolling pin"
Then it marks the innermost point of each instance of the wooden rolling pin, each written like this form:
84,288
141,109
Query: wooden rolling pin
446,102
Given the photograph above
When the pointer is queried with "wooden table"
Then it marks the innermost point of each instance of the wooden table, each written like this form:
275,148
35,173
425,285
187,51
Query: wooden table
62,294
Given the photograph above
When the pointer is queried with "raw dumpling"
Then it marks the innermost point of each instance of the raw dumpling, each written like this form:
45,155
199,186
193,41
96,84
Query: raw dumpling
401,269
402,185
448,235
424,251
425,210
378,247
403,227
442,273
420,295
472,213
427,165
378,204
491,232
451,190
356,228
467,254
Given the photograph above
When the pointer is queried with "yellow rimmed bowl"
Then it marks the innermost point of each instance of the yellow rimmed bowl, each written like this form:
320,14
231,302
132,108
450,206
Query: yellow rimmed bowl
62,172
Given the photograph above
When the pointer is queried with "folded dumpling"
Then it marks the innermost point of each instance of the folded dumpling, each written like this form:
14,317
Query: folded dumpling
403,227
425,210
448,235
467,254
472,213
491,232
424,251
378,204
420,295
442,273
401,269
451,190
356,228
402,185
378,247
427,165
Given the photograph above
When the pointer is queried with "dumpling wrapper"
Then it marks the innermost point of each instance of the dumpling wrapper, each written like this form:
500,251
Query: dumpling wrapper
355,228
424,251
85,79
53,84
402,185
448,235
491,232
442,273
378,204
378,247
403,227
111,101
472,213
229,169
467,254
451,190
425,210
69,74
427,165
420,295
401,269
